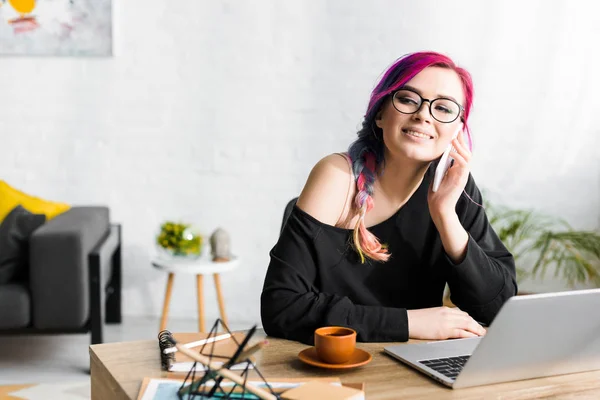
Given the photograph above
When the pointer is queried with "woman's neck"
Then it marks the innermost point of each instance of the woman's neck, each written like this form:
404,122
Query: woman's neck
400,178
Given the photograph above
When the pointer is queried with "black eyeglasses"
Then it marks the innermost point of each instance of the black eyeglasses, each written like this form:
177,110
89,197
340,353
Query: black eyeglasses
441,109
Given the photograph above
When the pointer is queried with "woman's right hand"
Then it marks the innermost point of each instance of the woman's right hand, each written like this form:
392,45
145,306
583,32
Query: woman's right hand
440,323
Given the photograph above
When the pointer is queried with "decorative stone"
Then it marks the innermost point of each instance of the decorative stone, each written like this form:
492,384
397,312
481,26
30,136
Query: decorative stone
220,245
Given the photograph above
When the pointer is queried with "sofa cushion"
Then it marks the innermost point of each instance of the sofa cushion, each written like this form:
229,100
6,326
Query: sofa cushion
15,309
11,197
15,231
59,267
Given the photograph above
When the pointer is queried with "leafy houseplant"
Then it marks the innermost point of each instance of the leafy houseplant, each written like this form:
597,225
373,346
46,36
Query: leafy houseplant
179,240
547,242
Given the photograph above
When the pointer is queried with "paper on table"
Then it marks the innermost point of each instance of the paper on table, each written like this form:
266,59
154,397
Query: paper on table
159,389
322,390
166,389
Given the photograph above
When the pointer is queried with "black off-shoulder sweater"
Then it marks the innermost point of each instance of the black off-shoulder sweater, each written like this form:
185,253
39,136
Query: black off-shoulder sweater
315,277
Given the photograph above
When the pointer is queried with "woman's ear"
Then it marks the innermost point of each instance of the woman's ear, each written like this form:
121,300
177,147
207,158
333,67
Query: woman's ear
379,120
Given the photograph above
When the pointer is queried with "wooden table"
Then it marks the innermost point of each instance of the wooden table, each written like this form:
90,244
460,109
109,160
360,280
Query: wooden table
117,370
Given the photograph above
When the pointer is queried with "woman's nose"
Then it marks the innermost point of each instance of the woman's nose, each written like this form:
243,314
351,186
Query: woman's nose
423,114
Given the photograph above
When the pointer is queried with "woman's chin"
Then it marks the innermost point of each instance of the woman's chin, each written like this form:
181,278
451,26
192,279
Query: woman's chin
411,153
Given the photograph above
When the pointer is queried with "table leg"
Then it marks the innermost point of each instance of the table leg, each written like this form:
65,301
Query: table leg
200,303
163,320
220,299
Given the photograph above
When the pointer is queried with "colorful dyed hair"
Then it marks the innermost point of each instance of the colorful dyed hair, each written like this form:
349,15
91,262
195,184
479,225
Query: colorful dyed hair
367,152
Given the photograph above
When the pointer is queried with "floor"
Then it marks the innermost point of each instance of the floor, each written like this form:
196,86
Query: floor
59,364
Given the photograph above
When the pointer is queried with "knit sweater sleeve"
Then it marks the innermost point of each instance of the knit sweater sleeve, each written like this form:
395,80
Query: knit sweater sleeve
486,278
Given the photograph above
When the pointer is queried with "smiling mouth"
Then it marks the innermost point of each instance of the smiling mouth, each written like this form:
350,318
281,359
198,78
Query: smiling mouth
416,134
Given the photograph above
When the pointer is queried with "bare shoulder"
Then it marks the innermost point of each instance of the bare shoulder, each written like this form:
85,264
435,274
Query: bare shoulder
328,190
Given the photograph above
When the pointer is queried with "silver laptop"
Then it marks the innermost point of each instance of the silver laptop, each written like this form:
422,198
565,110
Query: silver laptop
532,336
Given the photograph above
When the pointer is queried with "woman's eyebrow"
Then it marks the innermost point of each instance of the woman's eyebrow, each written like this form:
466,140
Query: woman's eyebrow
438,96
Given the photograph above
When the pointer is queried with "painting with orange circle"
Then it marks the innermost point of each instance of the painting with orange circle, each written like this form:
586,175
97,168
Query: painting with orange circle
56,27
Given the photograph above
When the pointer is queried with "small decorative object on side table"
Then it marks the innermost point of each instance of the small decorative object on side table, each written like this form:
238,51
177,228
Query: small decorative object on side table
180,240
220,245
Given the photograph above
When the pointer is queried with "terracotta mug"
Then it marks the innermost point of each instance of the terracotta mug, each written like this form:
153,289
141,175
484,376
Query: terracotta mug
335,344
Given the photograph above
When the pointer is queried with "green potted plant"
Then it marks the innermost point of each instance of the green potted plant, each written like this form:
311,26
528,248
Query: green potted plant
176,239
545,243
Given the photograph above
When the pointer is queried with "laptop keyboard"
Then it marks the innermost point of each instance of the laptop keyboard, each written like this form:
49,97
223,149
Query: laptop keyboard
449,367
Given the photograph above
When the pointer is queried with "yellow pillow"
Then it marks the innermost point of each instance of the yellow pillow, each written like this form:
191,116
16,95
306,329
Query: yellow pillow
11,197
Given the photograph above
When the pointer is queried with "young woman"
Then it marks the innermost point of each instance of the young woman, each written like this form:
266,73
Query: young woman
369,245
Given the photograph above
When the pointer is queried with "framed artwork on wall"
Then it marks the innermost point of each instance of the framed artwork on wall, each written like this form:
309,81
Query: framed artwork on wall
56,27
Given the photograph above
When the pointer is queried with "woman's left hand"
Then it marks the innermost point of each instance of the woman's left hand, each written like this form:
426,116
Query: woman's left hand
442,203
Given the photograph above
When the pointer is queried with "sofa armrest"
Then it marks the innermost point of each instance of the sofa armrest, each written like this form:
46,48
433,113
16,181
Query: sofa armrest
58,267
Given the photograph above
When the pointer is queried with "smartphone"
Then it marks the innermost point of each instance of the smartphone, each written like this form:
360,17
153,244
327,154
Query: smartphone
444,163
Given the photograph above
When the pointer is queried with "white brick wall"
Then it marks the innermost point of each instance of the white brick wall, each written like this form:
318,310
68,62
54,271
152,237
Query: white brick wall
216,111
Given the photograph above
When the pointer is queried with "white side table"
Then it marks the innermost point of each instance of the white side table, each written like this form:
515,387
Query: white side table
199,267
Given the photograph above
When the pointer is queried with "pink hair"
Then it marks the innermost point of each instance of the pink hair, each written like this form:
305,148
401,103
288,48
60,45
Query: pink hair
365,242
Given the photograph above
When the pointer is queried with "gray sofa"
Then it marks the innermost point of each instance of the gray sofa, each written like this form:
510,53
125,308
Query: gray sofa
74,278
